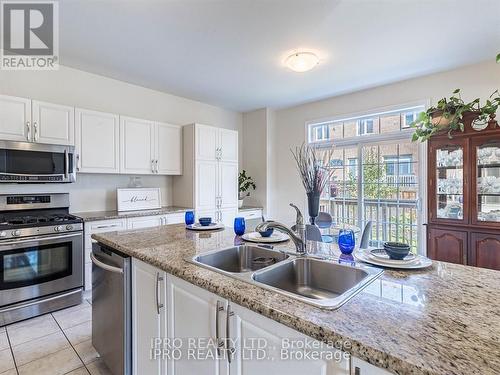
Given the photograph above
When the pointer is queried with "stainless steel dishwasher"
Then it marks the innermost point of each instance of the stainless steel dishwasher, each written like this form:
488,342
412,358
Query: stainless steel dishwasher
111,308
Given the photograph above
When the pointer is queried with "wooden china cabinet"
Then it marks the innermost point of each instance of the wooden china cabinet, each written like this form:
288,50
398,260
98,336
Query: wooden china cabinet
464,196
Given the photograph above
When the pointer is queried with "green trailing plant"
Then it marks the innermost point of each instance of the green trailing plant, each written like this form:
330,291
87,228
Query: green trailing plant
449,113
245,184
498,58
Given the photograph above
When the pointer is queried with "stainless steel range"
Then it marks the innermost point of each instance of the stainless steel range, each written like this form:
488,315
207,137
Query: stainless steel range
41,256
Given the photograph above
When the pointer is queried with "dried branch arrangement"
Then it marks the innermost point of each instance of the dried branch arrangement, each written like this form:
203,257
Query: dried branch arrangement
312,170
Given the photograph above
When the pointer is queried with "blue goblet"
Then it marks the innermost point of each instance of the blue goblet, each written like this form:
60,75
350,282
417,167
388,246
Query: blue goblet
346,241
239,225
189,217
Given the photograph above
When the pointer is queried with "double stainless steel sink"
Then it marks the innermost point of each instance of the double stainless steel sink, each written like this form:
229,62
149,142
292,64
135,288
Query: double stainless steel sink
319,282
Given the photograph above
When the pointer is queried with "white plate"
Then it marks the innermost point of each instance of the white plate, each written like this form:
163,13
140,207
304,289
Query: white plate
384,258
256,237
198,226
420,262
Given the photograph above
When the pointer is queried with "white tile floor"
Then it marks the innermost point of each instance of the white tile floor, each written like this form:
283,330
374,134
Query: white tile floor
51,344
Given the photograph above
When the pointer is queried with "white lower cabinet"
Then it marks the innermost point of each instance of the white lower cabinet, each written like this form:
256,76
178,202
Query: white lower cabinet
359,367
149,317
146,221
264,346
195,314
227,216
215,336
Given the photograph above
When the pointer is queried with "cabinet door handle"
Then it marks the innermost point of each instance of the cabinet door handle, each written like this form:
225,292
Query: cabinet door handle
78,162
156,165
218,307
153,165
35,131
157,292
28,131
229,349
107,226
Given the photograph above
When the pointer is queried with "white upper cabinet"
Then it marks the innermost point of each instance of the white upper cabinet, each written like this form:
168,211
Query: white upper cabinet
168,143
137,146
207,140
15,119
228,145
148,147
97,141
34,121
53,123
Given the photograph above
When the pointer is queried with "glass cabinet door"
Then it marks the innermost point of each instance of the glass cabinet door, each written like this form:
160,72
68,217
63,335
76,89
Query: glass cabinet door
450,183
488,182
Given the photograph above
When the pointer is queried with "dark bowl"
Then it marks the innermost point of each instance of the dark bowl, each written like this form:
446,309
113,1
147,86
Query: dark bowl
205,221
397,251
267,233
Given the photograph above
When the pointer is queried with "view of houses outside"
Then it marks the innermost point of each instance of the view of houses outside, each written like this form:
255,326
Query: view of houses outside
371,182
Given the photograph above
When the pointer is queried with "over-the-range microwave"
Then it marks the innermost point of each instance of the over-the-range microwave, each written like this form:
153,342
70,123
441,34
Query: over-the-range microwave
25,162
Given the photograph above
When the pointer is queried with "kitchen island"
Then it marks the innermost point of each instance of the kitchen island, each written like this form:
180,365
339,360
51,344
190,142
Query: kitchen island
442,320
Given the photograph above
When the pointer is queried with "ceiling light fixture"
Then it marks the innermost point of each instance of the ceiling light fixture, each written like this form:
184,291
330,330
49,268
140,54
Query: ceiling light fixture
302,61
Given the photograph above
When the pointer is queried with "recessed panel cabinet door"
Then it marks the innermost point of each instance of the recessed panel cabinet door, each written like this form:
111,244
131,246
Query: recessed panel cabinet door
97,142
192,315
145,221
137,146
206,142
228,184
15,119
250,331
148,320
53,123
485,250
206,189
447,245
228,144
169,149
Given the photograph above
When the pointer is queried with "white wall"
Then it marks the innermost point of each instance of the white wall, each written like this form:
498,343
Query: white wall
81,89
478,80
255,154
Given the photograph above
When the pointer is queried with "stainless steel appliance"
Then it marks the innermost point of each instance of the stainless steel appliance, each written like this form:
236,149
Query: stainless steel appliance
112,308
25,162
41,256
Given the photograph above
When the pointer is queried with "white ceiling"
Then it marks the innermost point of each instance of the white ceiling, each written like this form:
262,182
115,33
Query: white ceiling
230,52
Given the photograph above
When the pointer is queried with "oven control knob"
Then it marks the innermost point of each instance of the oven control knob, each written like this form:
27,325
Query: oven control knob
16,233
69,227
3,234
59,228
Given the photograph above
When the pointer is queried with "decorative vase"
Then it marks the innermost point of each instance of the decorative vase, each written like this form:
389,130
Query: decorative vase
440,121
240,203
313,206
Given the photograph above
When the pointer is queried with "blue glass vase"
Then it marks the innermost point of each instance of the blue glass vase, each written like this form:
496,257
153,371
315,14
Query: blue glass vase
347,241
189,217
239,225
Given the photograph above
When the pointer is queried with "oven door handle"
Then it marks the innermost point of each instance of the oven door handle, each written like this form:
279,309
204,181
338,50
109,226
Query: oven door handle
104,266
23,241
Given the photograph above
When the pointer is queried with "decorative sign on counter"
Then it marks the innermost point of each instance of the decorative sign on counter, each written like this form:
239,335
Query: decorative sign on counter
138,199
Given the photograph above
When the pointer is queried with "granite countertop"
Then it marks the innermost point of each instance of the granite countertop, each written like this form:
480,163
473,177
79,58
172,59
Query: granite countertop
108,215
444,320
249,208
